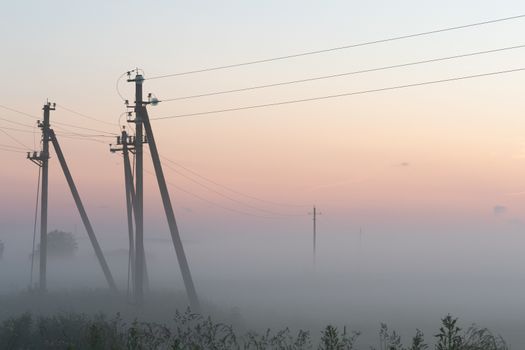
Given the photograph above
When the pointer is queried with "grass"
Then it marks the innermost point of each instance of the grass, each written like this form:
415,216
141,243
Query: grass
190,331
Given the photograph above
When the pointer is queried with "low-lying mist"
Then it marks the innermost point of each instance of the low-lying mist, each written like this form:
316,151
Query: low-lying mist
259,280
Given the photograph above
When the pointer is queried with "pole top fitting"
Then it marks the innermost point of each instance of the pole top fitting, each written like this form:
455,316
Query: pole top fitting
49,106
139,78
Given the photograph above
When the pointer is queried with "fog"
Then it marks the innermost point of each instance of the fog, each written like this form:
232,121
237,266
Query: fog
408,276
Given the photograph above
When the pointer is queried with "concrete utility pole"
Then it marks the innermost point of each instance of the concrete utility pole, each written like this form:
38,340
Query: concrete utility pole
43,214
41,159
126,145
130,199
142,120
139,192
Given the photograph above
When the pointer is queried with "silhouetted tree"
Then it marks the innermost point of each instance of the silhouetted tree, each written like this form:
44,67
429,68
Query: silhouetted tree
60,244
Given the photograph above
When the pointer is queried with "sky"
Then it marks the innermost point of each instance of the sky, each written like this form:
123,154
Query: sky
444,160
453,150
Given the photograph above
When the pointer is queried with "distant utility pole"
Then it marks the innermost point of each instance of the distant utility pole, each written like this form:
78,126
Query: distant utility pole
41,159
314,214
142,124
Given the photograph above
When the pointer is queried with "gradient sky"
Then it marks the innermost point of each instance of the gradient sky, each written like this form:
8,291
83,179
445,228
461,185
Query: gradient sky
446,154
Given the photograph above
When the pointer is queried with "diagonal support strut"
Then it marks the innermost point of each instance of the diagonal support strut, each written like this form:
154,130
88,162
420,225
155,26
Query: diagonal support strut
82,212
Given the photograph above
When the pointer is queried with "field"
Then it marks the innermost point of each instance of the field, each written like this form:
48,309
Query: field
101,320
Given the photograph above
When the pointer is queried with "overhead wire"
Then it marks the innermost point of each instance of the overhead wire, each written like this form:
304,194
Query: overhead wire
84,115
323,77
361,92
344,47
19,112
13,147
57,123
34,226
11,150
70,133
214,203
81,138
248,205
117,85
16,129
230,189
14,139
17,123
85,128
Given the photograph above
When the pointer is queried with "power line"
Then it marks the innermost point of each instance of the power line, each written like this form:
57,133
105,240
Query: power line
34,226
14,139
71,133
67,133
13,147
117,85
362,92
11,150
447,29
19,112
230,189
84,115
58,123
16,129
85,128
214,203
248,205
74,133
17,123
343,74
81,138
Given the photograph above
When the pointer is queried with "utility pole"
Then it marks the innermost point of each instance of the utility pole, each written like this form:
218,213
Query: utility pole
138,290
126,145
142,120
41,159
130,199
314,214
